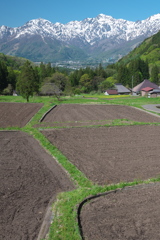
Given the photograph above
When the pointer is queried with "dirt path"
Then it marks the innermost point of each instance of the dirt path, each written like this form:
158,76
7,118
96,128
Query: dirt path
152,107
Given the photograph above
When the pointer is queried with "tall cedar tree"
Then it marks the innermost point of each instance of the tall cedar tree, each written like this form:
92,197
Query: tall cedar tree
3,76
28,82
154,74
122,75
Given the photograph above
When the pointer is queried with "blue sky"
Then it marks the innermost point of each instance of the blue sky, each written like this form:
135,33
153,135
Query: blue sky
16,13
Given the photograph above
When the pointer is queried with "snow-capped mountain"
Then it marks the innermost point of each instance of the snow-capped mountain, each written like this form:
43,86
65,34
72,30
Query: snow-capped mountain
41,40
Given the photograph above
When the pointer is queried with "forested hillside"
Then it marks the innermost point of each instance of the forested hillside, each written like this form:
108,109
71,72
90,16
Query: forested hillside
148,51
10,61
143,62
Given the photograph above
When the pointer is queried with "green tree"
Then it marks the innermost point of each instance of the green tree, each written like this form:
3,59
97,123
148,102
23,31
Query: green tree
137,78
108,83
49,70
55,85
99,71
43,72
96,82
59,79
27,82
37,82
138,70
85,83
51,89
3,76
123,75
144,69
12,77
154,74
73,77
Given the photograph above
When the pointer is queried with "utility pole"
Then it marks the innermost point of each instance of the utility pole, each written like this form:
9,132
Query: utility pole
132,84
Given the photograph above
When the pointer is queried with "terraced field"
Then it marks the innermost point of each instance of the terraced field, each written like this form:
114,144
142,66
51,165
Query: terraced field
108,155
30,178
17,114
68,115
130,213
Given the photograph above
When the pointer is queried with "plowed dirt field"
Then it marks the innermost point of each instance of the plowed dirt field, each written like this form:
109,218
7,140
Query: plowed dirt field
81,114
29,179
17,114
129,214
111,154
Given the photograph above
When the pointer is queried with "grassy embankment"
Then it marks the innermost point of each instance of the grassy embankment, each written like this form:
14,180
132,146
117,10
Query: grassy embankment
65,225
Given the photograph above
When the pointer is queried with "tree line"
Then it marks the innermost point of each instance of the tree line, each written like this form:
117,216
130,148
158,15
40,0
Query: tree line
47,80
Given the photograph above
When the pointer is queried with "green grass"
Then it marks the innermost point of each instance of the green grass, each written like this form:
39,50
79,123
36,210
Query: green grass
65,225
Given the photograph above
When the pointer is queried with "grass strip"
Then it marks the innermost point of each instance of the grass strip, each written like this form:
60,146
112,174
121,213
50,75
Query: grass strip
65,223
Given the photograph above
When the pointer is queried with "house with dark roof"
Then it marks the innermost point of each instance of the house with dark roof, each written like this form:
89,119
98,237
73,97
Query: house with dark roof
143,85
121,89
111,92
155,93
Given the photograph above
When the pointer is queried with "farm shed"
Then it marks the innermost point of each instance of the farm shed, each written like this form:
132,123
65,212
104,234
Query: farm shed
155,93
146,91
121,89
146,83
111,92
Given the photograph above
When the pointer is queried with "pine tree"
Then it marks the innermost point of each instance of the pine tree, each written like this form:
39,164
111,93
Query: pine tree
154,74
123,75
144,69
49,70
3,76
43,72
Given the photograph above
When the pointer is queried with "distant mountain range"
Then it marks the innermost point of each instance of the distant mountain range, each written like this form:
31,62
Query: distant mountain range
102,38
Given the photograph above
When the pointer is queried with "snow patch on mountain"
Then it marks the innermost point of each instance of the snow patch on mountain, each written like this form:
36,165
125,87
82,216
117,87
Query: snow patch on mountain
90,29
91,35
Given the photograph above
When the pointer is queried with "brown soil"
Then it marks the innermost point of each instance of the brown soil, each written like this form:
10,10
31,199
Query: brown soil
111,154
128,214
29,179
81,114
17,114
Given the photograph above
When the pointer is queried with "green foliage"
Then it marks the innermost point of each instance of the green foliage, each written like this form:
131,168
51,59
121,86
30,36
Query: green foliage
148,50
107,84
3,76
13,62
154,74
8,90
86,83
55,85
123,75
28,81
12,77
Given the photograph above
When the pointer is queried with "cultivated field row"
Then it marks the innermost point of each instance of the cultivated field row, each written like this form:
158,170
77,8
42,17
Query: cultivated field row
106,155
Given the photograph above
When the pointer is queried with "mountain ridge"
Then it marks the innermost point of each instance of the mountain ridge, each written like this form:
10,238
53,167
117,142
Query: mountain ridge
91,37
